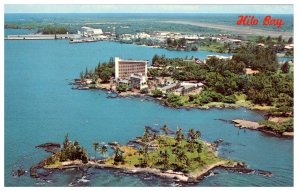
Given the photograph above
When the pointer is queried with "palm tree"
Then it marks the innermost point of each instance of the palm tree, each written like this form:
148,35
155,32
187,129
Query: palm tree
176,151
104,150
96,146
197,134
146,154
179,135
199,151
191,134
165,129
66,141
146,135
118,156
165,158
181,156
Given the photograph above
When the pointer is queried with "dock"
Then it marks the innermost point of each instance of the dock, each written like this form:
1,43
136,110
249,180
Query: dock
41,37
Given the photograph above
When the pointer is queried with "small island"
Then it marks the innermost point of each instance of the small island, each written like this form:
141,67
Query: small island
169,154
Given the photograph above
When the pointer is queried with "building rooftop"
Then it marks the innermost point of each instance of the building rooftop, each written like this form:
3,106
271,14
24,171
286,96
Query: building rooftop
129,60
169,86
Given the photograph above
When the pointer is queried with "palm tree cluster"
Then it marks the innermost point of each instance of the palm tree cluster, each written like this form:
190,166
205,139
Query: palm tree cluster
180,149
102,148
193,136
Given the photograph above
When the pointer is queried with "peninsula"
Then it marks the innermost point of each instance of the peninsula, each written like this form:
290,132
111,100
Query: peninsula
250,78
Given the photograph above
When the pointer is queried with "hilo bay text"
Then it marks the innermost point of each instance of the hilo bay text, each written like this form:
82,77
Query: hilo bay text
252,20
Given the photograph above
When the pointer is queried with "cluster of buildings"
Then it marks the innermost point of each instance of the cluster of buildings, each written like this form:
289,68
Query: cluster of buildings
89,32
181,88
190,38
134,74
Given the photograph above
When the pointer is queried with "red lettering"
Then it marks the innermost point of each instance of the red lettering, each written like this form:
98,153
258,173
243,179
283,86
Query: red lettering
268,20
242,20
247,20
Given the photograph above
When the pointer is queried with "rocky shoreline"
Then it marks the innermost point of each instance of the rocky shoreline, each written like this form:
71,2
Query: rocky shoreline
168,174
41,170
252,125
115,94
238,122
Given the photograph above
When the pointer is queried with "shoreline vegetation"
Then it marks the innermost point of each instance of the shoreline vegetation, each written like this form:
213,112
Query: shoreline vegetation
167,154
251,78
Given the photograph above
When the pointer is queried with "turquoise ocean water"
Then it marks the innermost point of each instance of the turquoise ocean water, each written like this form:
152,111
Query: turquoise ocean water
41,107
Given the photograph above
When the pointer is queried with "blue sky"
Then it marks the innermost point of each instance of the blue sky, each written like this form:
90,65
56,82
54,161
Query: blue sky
86,8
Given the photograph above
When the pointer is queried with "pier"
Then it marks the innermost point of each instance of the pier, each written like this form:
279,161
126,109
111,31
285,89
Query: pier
41,37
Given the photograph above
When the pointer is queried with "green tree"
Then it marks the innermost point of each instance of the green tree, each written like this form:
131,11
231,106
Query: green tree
72,151
103,150
96,147
182,158
164,155
105,75
268,39
156,93
179,136
173,100
199,151
118,156
279,40
144,91
285,68
155,60
145,152
122,87
165,129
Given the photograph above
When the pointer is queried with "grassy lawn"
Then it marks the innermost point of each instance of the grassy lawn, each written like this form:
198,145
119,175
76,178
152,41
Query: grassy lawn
213,47
132,156
56,164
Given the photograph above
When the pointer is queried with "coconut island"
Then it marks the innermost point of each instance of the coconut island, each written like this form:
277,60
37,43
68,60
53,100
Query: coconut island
167,154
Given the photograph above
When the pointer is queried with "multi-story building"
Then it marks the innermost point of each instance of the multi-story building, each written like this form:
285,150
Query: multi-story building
138,81
125,68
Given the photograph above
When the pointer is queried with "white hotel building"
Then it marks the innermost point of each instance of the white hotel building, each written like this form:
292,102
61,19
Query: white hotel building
125,68
135,71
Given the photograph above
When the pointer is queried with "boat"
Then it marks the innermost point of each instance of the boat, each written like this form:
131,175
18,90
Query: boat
82,40
83,88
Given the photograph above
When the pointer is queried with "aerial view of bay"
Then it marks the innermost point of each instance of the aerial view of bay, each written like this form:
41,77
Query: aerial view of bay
63,87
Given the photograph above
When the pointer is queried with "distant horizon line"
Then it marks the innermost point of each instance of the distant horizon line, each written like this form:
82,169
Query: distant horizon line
154,13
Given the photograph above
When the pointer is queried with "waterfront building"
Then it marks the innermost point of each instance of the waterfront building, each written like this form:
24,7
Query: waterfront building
88,31
219,57
182,88
170,88
188,87
138,81
123,81
125,68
